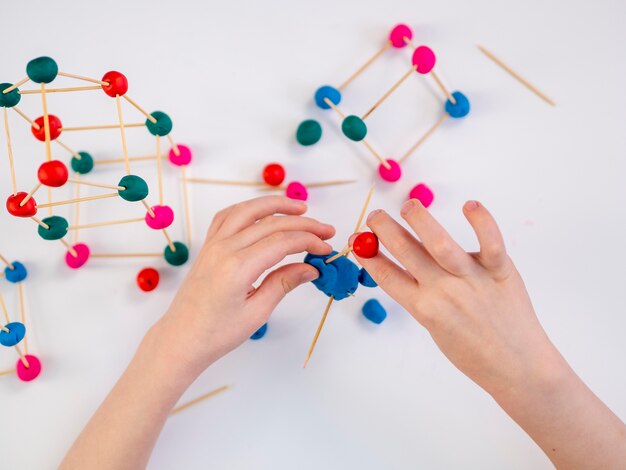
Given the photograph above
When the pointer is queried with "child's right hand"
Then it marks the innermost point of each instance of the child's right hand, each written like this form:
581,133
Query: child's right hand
477,310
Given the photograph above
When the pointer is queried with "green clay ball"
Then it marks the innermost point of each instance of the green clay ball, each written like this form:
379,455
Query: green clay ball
136,189
354,128
162,127
178,257
58,228
309,132
84,165
10,99
42,70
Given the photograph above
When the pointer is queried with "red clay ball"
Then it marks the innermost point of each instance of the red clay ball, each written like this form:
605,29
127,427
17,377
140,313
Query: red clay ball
274,174
148,279
55,128
365,245
27,210
117,84
53,173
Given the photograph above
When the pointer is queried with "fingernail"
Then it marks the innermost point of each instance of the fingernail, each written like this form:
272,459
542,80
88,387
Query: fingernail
407,206
373,214
471,205
310,275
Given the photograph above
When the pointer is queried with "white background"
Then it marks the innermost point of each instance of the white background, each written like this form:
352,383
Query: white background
237,78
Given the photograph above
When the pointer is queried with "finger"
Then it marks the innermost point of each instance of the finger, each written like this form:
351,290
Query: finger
436,240
492,254
218,220
279,283
266,253
248,212
284,223
394,280
403,246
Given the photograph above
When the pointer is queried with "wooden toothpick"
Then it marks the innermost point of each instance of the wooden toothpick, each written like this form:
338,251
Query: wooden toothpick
22,357
100,126
121,160
311,185
46,122
140,109
69,248
80,77
173,144
126,255
40,222
169,241
7,262
13,87
148,208
225,182
121,120
96,185
30,194
183,170
76,228
389,92
76,209
442,86
10,151
25,117
159,170
7,372
319,330
61,90
517,76
80,199
4,310
199,399
69,149
422,139
20,291
365,65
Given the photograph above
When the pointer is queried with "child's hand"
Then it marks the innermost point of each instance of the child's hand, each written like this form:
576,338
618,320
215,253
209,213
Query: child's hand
217,308
477,310
474,305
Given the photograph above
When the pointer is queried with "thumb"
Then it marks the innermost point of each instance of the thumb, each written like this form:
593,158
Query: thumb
281,281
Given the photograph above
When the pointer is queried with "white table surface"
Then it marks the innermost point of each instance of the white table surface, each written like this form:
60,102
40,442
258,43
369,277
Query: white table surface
237,78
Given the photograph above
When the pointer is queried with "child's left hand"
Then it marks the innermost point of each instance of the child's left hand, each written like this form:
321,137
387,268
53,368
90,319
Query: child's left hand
217,308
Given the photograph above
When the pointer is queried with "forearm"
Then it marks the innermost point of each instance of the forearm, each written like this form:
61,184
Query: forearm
122,433
564,417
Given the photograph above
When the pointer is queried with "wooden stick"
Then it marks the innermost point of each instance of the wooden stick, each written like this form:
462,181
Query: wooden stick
20,291
365,65
13,87
61,90
343,252
7,372
169,241
22,357
30,121
69,247
10,150
46,122
312,185
183,170
7,262
121,160
103,224
389,92
421,140
4,309
442,86
30,194
41,222
140,109
125,255
124,148
97,185
69,149
5,329
49,200
319,330
76,210
80,199
148,208
159,169
226,182
86,79
381,160
199,399
173,144
517,76
97,126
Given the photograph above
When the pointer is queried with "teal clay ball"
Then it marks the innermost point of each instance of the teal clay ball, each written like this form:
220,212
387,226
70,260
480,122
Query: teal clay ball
354,128
42,70
309,132
162,126
10,99
57,228
84,165
135,188
178,257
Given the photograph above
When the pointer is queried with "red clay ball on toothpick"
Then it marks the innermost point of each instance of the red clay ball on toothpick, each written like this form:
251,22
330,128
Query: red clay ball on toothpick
365,245
274,174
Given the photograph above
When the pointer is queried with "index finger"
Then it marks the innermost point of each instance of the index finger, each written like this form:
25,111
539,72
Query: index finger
246,213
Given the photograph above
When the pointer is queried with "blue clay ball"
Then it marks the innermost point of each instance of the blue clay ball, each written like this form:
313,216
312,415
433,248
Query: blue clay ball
258,334
374,311
461,108
365,279
17,274
16,333
339,278
329,92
